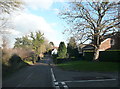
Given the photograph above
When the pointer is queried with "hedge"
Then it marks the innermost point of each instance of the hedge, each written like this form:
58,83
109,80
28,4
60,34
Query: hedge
111,56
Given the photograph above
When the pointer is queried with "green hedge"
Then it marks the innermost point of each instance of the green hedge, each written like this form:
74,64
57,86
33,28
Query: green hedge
112,56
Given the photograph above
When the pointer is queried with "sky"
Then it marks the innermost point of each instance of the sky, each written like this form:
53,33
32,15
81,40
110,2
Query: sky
38,15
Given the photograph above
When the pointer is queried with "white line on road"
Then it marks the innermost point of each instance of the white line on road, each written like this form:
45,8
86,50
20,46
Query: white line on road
24,80
53,75
57,87
64,85
55,84
92,80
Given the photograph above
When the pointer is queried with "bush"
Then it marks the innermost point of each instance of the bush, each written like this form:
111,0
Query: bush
88,56
62,50
59,60
14,63
111,56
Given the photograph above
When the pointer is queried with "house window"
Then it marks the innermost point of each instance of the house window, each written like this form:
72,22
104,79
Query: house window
112,41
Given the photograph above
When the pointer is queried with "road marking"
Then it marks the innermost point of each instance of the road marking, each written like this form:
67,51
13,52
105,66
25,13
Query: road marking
92,80
29,76
65,86
63,83
56,83
53,75
19,85
57,87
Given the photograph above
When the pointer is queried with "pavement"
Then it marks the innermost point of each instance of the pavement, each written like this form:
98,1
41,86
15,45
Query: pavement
45,74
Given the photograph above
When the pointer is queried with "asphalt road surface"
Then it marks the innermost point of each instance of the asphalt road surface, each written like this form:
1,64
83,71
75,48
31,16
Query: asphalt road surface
46,74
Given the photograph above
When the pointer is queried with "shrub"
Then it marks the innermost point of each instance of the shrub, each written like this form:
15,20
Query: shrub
111,56
14,63
62,50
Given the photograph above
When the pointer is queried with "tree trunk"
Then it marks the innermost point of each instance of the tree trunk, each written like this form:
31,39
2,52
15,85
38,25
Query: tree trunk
96,54
97,44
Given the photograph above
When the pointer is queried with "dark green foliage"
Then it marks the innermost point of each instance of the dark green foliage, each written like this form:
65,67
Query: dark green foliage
37,41
34,42
113,56
15,59
72,49
51,43
109,56
14,63
88,56
23,42
62,50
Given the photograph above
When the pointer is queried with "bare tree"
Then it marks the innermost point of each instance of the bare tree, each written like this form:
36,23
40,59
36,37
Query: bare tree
7,7
91,21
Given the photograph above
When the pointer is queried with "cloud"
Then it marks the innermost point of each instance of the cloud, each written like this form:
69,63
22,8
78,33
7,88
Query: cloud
56,10
27,23
36,4
10,31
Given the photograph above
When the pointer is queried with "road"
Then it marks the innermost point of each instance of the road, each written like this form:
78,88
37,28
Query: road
38,75
43,75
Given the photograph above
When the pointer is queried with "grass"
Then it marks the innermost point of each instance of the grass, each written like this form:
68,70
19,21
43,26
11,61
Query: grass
90,66
29,62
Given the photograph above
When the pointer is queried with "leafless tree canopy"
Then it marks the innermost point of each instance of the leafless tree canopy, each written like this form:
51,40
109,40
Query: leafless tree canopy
7,7
91,20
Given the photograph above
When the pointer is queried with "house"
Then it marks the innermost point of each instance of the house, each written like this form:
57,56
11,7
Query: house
54,51
110,42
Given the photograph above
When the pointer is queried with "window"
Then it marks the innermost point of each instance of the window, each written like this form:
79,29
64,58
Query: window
112,41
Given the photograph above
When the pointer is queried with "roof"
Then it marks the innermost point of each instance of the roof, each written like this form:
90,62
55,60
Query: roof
88,47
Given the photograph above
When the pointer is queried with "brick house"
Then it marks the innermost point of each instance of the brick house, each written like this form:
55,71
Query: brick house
110,42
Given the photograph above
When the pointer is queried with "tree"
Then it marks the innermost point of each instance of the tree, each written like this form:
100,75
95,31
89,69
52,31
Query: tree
62,50
23,42
37,42
34,42
72,48
7,7
5,43
52,44
91,21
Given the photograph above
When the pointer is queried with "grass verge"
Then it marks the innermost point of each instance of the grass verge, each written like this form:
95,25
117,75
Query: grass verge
90,66
29,62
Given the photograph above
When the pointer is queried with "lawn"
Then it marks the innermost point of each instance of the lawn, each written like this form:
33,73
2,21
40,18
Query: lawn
90,66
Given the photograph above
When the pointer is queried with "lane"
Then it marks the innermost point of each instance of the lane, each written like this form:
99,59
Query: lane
38,75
